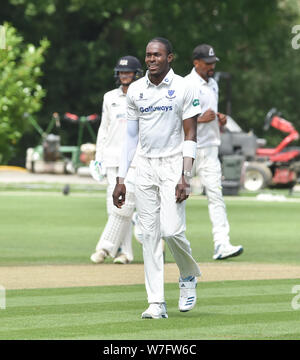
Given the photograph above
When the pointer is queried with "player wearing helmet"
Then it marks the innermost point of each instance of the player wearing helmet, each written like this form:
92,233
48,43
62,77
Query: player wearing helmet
115,240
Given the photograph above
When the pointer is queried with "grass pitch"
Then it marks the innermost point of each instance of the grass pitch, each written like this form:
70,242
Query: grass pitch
227,310
55,229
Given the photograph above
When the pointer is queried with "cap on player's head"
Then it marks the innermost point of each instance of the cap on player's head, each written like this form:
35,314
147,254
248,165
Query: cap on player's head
129,64
206,53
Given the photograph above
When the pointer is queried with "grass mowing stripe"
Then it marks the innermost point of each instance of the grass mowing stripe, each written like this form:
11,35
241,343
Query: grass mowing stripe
246,308
280,330
286,335
107,318
263,286
46,292
259,305
56,235
238,305
22,314
120,297
50,307
71,318
207,294
163,329
79,298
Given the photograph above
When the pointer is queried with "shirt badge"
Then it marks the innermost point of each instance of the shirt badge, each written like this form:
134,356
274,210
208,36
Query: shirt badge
170,94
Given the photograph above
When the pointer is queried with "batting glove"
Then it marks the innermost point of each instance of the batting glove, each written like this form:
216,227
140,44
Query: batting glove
97,170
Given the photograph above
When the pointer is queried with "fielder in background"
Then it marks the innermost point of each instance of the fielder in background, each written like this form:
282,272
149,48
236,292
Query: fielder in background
116,239
207,164
161,112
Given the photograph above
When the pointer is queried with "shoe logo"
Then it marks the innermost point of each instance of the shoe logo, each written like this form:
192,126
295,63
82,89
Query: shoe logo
217,249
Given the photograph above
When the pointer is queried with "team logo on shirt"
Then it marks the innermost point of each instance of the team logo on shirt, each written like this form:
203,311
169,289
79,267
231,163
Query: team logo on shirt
140,97
156,108
196,102
170,94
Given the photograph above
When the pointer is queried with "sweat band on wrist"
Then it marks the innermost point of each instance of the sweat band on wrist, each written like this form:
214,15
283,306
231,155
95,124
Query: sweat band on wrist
189,149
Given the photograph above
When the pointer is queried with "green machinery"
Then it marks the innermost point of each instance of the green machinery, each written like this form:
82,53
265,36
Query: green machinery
52,157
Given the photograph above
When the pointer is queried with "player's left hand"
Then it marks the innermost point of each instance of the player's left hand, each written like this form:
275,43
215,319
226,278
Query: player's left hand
222,118
182,190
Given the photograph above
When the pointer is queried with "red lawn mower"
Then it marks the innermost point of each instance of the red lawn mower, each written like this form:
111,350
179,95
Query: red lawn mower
274,167
245,160
247,163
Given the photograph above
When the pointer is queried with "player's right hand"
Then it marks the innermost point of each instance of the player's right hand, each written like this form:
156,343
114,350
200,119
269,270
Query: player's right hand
119,195
182,190
208,116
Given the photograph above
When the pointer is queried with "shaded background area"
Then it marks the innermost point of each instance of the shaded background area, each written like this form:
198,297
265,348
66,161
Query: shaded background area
251,37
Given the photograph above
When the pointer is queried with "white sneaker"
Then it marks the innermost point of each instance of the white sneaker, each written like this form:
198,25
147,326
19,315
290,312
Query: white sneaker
155,311
188,296
99,256
121,259
227,251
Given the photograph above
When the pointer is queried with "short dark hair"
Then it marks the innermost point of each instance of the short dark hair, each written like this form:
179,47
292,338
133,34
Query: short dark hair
165,42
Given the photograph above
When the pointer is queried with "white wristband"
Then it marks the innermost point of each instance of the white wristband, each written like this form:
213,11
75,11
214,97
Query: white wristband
189,149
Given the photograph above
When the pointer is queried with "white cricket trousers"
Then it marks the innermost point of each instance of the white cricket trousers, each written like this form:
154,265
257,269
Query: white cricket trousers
160,216
208,168
118,229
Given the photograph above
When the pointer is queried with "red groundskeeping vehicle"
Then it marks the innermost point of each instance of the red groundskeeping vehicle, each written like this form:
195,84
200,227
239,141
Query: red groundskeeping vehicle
282,163
264,167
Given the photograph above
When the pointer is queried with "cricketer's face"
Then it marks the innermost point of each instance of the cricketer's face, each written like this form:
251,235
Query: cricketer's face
157,59
126,77
205,70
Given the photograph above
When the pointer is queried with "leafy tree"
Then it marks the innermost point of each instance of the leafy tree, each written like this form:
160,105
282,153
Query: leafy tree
21,93
251,37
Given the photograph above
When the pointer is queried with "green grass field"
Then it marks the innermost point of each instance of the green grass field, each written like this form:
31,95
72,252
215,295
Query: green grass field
225,310
55,229
52,228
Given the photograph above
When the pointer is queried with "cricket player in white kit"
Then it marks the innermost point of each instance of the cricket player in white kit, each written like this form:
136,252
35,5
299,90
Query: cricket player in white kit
161,113
207,164
115,240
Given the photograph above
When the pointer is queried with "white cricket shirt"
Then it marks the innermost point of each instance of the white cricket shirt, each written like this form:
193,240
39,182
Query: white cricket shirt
112,130
208,134
160,110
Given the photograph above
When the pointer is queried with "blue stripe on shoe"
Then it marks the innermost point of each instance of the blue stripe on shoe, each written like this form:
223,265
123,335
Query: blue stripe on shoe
189,278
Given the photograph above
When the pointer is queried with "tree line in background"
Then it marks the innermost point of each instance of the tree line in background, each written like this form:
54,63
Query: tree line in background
77,44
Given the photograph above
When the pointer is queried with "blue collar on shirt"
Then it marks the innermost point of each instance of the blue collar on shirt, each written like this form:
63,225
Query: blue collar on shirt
166,81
